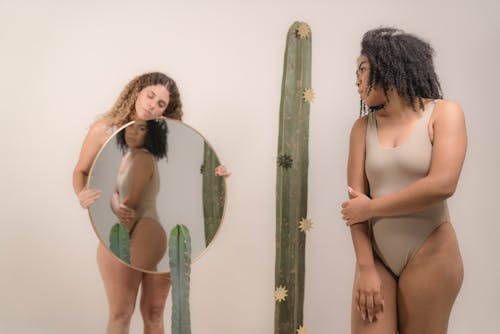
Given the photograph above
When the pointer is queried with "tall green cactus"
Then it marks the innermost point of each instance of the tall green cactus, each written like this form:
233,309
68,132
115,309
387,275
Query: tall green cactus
291,183
119,242
213,193
179,252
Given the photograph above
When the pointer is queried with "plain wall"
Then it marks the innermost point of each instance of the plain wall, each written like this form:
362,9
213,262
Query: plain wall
62,63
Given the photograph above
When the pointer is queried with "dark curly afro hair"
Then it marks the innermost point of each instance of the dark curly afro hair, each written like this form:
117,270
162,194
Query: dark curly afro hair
155,141
401,61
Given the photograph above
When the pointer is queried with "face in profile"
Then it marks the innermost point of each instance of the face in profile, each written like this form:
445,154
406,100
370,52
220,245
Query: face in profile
151,102
135,134
371,97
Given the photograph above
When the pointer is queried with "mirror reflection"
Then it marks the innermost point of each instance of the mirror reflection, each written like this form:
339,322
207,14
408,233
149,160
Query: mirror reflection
154,175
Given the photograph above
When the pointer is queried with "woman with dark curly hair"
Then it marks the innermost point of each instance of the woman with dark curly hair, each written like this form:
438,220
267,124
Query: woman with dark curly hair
145,97
405,160
137,186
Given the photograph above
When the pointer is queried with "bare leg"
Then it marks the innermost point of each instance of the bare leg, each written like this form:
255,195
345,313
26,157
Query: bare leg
387,320
121,284
430,283
147,244
154,293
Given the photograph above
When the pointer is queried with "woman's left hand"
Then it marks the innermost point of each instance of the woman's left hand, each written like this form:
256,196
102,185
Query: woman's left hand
357,209
221,170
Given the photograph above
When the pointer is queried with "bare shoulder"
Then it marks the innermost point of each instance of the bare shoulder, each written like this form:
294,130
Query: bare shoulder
144,159
358,130
448,111
96,136
99,131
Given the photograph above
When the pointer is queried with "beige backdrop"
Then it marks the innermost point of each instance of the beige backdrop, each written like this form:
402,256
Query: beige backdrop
64,62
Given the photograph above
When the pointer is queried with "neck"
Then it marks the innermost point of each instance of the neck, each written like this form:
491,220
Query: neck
397,107
134,150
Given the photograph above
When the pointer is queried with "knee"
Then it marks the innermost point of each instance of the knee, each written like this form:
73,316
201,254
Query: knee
121,315
152,313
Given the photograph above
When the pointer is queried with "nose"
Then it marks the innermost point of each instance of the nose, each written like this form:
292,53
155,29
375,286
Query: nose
133,130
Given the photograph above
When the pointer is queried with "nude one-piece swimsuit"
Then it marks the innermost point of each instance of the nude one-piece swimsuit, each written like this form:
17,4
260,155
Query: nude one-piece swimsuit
388,170
147,205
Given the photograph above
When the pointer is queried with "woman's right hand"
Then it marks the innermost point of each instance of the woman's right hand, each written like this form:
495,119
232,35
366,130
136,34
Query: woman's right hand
368,296
87,197
125,214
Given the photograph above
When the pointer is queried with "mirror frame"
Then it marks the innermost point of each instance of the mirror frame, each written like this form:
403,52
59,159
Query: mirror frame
205,249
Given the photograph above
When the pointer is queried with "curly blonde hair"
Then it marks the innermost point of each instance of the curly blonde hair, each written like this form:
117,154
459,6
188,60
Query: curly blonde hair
123,111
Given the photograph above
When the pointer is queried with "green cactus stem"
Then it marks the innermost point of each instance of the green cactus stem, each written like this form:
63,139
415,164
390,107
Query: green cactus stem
179,252
119,241
285,161
213,193
291,183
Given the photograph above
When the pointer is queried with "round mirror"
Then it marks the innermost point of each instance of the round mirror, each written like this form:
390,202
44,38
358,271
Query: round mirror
154,175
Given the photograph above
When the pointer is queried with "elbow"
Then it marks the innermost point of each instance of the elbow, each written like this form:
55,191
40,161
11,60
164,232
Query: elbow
76,176
445,194
440,187
78,180
130,203
446,189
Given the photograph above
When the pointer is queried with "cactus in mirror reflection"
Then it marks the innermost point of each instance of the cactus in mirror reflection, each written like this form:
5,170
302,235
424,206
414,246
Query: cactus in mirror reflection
213,193
291,184
179,252
119,241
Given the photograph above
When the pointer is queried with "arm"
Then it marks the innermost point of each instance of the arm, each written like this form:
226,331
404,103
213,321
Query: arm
448,154
368,296
92,143
124,214
142,170
356,178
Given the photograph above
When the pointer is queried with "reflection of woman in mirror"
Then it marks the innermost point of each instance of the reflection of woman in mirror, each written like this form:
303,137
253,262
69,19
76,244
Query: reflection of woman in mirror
137,184
145,97
405,160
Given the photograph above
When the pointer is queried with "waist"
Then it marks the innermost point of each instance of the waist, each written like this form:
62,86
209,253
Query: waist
435,213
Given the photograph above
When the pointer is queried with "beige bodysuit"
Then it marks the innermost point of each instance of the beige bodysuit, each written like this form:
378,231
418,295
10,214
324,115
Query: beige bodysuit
147,206
388,170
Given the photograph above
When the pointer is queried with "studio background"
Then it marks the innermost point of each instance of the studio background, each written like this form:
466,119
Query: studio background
64,63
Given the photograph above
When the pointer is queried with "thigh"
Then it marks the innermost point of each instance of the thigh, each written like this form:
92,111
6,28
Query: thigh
120,281
430,283
387,320
154,289
147,244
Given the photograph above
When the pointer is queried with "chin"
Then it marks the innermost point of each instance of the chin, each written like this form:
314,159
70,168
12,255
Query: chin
374,99
372,103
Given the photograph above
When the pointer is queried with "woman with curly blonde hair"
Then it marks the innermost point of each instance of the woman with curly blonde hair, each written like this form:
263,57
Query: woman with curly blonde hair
146,97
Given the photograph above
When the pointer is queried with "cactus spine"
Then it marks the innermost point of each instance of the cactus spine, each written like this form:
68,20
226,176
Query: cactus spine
291,183
119,242
213,193
179,253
